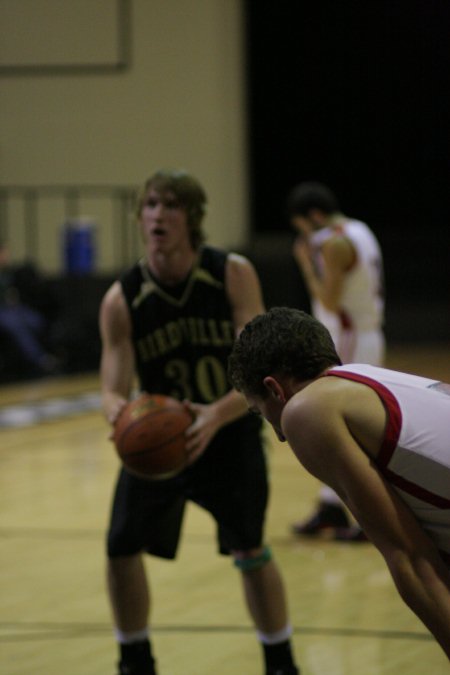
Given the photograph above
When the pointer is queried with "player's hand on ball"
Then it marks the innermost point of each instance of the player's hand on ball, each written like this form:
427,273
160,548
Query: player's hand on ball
113,407
205,426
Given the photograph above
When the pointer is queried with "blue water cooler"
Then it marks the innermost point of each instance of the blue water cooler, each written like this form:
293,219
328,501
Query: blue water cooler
79,247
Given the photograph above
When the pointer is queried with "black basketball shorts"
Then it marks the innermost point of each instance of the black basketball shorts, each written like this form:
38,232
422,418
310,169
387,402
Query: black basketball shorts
229,481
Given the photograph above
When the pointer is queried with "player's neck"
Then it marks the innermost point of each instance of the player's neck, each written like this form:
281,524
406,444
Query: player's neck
171,267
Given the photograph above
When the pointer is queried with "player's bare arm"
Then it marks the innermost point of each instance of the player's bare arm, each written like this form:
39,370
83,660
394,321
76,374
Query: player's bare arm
117,359
326,286
245,297
321,427
243,290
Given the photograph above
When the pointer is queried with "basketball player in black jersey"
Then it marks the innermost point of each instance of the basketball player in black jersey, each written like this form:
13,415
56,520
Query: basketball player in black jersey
172,319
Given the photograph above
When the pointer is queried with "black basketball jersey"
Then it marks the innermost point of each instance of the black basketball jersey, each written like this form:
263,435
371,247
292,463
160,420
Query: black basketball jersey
182,335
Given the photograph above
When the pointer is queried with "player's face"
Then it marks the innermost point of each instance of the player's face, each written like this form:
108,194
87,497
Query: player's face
270,408
163,222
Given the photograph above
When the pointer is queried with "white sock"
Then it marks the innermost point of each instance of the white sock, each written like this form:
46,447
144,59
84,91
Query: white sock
274,638
124,638
329,496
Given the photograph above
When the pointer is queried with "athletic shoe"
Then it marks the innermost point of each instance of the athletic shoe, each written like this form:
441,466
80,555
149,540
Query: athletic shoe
354,533
327,516
133,669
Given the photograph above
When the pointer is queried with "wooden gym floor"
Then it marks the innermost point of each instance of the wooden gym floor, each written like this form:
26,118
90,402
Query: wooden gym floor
56,474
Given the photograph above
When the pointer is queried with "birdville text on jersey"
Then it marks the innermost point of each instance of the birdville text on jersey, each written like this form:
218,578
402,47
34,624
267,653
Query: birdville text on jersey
191,330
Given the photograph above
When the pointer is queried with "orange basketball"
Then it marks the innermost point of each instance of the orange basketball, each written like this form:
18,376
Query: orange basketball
149,436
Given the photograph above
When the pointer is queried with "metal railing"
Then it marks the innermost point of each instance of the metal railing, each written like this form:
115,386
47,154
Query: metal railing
32,217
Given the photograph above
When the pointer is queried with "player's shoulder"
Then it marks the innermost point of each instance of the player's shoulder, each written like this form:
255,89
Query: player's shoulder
113,293
314,414
238,258
240,274
319,398
239,263
113,301
309,419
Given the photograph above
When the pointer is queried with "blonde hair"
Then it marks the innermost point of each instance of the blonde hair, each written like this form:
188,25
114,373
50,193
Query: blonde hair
189,193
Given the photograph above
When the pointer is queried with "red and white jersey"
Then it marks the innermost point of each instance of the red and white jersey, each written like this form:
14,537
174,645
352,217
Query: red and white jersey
415,454
357,328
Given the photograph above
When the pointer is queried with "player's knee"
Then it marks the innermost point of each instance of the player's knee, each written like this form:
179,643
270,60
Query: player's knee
122,567
249,561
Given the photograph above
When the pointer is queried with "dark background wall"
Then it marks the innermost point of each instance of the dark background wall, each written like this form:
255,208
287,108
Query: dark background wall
356,94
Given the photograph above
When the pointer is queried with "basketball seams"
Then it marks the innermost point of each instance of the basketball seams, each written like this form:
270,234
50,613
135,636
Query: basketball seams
149,436
154,413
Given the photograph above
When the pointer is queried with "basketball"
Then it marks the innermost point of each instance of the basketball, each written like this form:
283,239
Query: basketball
149,436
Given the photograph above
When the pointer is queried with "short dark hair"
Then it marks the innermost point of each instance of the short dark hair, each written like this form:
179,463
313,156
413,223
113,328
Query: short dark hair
188,191
283,341
311,195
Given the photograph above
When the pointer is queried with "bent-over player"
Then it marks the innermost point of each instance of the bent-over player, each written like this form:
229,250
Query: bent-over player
379,438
